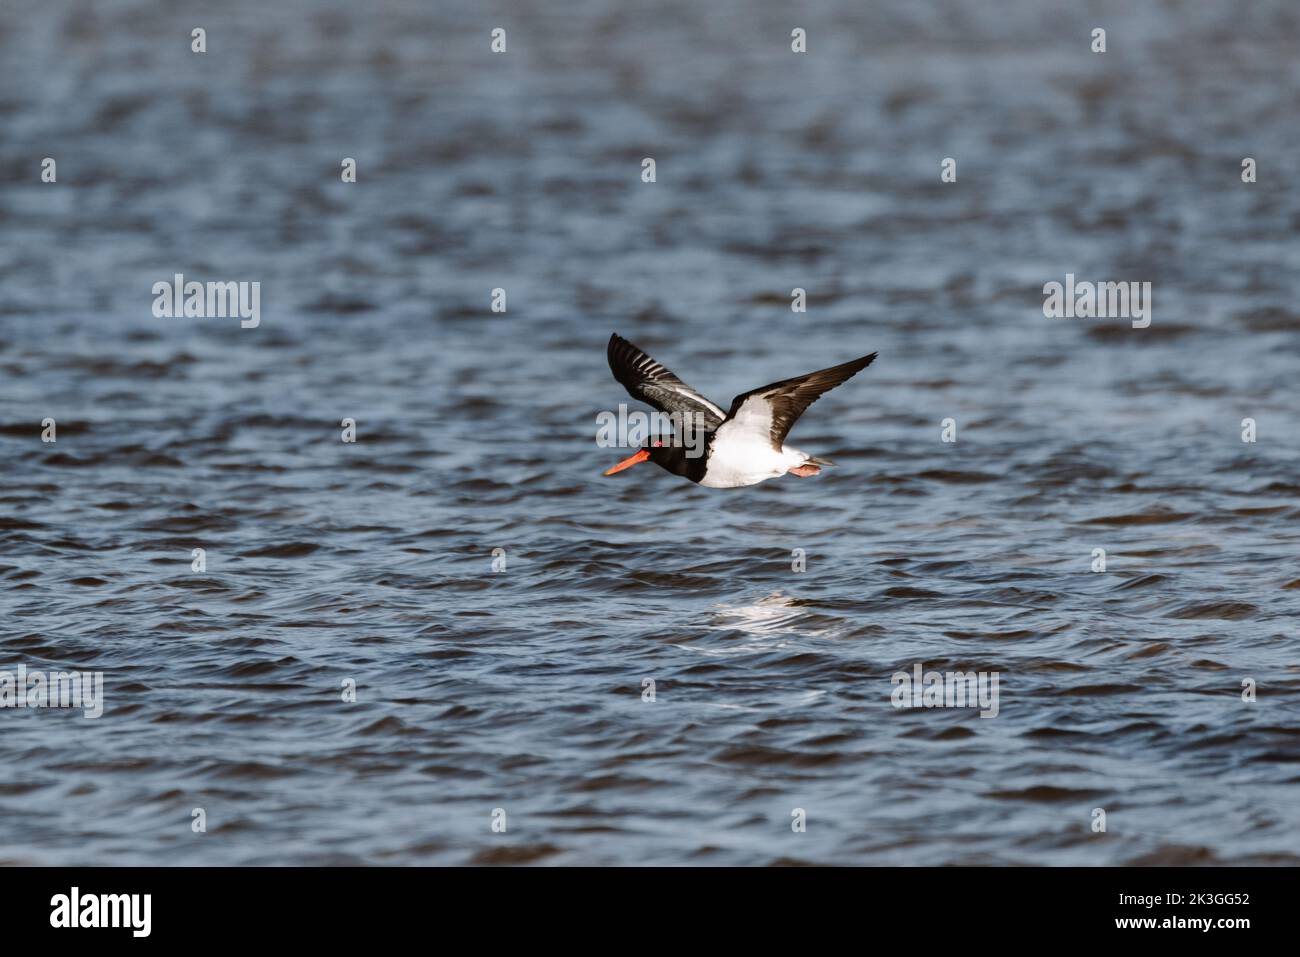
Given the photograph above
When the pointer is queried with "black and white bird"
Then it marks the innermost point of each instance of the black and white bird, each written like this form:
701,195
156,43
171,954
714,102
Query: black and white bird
743,446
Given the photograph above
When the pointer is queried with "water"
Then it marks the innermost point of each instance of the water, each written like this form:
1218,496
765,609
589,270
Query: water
522,689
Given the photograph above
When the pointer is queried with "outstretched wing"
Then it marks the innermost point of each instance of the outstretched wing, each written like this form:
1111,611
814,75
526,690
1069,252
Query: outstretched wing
650,382
771,410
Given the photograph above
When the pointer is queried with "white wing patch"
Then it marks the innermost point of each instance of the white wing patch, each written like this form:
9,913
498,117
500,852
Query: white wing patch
754,418
693,396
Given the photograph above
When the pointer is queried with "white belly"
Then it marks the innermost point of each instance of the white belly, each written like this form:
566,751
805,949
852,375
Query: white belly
744,459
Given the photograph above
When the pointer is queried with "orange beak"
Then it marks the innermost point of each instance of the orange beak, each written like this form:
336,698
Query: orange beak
627,463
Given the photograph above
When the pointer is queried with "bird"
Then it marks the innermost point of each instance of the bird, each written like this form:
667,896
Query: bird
744,445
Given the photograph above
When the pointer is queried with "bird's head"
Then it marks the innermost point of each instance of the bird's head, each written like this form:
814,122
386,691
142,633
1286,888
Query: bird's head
653,449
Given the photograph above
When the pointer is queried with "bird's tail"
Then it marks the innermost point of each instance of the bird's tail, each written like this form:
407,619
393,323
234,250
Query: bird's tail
818,460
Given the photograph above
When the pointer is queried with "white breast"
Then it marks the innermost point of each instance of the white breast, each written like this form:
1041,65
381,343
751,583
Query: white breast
738,457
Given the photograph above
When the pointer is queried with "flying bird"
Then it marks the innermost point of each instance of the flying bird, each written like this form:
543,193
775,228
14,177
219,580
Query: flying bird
743,446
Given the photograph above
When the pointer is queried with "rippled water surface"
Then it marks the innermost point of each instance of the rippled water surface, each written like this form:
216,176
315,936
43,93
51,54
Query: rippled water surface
522,689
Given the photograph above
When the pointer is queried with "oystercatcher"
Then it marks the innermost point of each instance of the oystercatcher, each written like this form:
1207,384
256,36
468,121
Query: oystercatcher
743,446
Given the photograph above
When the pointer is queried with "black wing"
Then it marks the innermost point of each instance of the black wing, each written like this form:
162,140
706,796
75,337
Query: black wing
774,408
650,382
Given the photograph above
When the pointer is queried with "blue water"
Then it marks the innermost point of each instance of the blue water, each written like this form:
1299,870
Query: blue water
521,689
